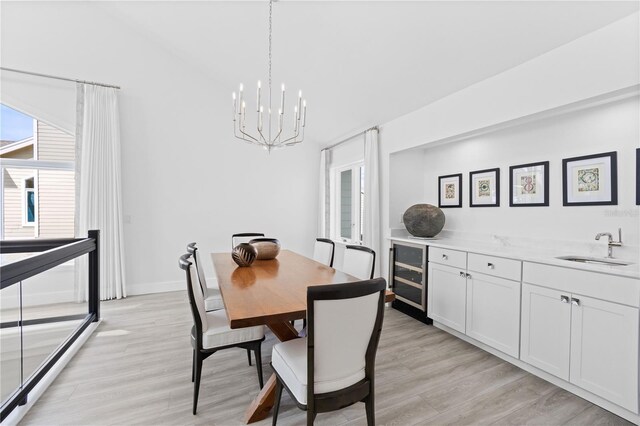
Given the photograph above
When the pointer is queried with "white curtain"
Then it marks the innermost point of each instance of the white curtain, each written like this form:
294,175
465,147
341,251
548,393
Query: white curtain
371,219
98,186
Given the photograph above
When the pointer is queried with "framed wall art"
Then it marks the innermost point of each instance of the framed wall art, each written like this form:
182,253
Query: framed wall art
529,185
484,188
590,180
450,191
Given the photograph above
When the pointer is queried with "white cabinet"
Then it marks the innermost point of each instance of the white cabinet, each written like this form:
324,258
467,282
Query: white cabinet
546,329
493,311
589,342
604,350
484,306
447,294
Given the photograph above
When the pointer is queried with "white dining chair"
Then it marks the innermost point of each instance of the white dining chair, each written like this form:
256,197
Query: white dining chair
333,367
323,251
359,261
211,333
212,297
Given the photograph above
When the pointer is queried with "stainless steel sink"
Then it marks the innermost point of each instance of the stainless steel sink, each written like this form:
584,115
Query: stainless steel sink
595,260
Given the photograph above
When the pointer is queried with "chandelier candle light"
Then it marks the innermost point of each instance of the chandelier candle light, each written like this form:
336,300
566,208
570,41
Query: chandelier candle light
268,137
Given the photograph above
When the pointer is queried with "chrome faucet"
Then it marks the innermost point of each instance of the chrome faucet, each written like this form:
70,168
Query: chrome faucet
611,243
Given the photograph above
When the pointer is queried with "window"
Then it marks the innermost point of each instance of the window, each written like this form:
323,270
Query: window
29,206
37,179
347,203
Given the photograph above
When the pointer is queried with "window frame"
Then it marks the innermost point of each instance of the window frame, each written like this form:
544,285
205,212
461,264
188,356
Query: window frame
36,166
25,196
356,168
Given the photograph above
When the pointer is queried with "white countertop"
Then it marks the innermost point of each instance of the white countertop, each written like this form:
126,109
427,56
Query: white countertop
537,255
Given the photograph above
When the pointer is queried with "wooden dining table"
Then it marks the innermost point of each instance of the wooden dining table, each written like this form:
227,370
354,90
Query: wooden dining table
272,293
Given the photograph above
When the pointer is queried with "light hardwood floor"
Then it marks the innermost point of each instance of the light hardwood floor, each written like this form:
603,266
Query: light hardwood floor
136,369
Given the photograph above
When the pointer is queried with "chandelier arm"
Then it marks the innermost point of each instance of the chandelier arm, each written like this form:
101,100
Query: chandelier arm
294,137
251,138
245,134
273,141
295,142
263,140
242,132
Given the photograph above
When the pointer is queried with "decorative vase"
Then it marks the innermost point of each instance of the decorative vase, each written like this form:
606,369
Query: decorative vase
244,254
423,220
268,248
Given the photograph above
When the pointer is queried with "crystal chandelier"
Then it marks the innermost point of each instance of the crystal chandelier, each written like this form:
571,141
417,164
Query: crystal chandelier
266,134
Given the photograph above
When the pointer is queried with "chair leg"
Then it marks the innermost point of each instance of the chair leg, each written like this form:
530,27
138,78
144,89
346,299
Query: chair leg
276,407
193,366
311,416
249,356
369,407
196,385
258,351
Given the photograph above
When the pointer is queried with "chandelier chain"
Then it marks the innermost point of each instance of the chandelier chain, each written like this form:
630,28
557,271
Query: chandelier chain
270,29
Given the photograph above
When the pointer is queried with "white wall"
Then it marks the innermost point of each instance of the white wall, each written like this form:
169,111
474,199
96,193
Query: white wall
598,63
185,178
610,127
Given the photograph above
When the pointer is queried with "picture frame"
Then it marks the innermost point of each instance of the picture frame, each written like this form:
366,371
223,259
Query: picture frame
484,188
590,180
529,185
450,191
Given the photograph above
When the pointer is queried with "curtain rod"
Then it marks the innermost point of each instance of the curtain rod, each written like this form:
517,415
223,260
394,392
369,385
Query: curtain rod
59,78
349,138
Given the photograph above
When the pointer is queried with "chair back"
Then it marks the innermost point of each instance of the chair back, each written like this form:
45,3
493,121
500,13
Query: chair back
344,325
244,237
193,250
323,251
359,261
196,299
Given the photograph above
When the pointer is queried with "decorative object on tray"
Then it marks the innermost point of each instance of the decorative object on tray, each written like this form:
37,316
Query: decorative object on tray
244,254
529,185
450,191
423,220
268,248
590,180
484,188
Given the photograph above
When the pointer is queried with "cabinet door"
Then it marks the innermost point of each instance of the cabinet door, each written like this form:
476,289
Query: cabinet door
546,329
604,350
447,295
493,312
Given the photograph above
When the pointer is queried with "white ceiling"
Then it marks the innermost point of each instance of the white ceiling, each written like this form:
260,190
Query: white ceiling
362,63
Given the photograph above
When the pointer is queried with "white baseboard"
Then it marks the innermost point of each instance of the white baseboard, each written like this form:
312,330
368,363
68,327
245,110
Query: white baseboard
163,287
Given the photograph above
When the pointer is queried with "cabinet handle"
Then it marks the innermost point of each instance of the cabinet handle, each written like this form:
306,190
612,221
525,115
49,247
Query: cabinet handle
468,275
490,266
575,301
564,299
445,257
463,275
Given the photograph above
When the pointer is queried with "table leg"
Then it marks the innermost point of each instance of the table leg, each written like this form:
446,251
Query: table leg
263,403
